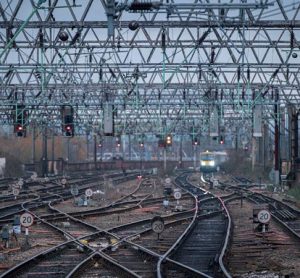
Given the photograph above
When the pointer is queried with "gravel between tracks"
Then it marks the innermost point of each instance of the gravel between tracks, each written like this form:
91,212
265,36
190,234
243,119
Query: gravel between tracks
275,251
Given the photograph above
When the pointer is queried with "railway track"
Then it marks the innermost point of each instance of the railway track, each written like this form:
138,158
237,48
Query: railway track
44,195
136,240
119,234
201,244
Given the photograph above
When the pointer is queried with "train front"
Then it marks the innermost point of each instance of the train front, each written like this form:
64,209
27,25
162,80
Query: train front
207,162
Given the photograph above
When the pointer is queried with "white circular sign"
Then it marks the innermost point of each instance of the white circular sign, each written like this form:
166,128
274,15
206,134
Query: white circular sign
264,216
168,180
177,195
63,181
26,219
74,191
157,225
16,191
89,192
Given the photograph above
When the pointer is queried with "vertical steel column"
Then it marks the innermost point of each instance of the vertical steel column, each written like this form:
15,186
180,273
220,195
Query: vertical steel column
45,153
95,151
68,149
195,156
33,144
180,152
276,139
129,146
52,152
296,136
294,139
87,147
253,152
165,159
236,138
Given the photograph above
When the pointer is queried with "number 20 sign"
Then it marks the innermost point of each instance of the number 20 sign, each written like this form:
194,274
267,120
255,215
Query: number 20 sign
264,216
157,224
26,219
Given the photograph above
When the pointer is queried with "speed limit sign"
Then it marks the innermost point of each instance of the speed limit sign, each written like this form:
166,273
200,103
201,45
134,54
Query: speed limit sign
16,191
26,219
88,192
168,180
177,195
264,216
63,181
157,224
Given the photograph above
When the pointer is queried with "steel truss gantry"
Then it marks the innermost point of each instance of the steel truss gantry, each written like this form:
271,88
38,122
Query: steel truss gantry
164,74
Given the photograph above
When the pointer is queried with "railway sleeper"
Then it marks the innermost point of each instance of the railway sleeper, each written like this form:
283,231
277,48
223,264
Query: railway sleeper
285,214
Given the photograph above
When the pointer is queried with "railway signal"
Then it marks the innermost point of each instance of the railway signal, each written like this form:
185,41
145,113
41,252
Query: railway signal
21,115
67,113
195,142
169,140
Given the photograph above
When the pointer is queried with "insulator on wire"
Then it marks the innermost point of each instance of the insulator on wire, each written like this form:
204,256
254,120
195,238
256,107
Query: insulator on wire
248,73
222,92
199,72
76,37
292,39
275,73
141,6
239,73
243,94
163,40
203,37
212,57
216,94
41,38
101,74
184,95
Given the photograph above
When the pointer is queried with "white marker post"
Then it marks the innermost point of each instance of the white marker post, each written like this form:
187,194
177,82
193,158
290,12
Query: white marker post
16,192
88,193
177,196
26,220
63,182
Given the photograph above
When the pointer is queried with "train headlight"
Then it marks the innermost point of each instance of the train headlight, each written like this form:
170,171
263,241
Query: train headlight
211,163
202,163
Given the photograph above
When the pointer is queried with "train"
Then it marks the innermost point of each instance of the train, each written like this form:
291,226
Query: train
208,162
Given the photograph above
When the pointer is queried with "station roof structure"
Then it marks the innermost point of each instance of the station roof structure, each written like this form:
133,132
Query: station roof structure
164,65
